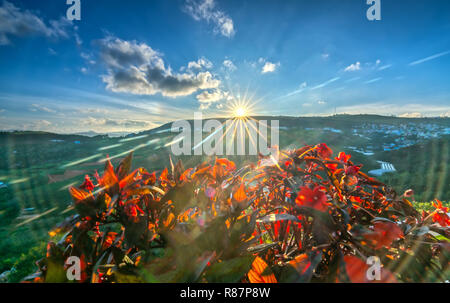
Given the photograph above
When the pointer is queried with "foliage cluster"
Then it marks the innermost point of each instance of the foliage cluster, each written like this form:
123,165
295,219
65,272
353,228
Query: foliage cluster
306,217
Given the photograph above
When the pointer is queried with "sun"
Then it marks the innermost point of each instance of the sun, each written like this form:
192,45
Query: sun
240,112
240,107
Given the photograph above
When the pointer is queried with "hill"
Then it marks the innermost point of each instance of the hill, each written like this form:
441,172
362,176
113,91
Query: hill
424,167
38,167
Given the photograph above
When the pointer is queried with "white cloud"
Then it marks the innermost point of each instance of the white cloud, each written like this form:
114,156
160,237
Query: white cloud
300,89
116,123
385,67
52,52
373,80
352,79
205,10
85,111
37,125
78,40
88,58
84,70
85,56
44,122
138,69
200,64
229,65
393,107
353,67
269,67
321,102
326,83
411,115
429,58
207,98
15,22
38,107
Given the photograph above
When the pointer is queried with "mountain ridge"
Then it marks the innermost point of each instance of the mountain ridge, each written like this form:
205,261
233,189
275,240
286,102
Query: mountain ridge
358,118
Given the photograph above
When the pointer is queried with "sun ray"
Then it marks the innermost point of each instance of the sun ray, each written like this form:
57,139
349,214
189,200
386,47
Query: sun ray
209,137
251,139
226,131
257,130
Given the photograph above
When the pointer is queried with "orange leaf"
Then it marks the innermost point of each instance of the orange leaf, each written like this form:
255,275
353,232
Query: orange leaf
229,165
184,176
164,175
260,272
127,180
168,221
79,194
218,171
109,176
201,171
240,194
300,263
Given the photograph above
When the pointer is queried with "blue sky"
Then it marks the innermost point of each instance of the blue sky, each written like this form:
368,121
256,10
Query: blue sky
132,65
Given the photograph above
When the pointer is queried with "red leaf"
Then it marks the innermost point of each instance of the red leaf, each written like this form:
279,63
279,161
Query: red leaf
357,272
352,170
313,198
324,151
87,184
384,234
343,157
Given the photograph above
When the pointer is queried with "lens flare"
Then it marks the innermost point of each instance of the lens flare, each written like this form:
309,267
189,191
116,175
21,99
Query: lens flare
240,112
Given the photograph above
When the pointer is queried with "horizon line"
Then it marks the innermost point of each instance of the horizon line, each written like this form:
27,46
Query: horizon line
126,133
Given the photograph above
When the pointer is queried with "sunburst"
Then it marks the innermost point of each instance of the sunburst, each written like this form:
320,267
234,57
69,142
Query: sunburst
241,108
240,112
241,124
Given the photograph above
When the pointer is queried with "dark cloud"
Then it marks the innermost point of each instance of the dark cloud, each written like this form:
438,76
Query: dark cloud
138,69
21,23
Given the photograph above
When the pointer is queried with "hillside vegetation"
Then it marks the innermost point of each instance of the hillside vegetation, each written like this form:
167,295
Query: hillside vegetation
310,217
38,168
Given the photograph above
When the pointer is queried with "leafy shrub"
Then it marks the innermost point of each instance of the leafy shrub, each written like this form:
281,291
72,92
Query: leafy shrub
308,217
25,263
428,206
